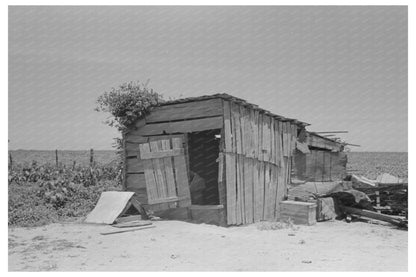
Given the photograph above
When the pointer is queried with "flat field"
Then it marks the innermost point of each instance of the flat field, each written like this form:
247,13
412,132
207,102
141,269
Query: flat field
66,157
371,164
368,164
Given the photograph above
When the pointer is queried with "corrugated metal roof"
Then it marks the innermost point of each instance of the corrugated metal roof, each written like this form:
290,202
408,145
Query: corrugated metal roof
240,101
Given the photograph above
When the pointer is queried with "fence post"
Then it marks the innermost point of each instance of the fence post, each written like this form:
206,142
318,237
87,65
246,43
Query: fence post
91,157
56,157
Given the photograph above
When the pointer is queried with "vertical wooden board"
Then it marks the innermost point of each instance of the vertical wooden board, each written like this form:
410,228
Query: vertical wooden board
260,138
256,134
156,146
326,175
286,169
267,189
280,194
233,120
241,191
246,122
261,188
272,142
270,196
221,181
231,188
289,170
239,195
285,140
270,138
289,136
273,191
242,130
290,139
151,186
253,133
310,166
235,111
181,174
266,137
248,190
170,178
227,127
319,166
280,142
245,131
330,167
277,142
287,131
257,192
249,133
158,167
294,137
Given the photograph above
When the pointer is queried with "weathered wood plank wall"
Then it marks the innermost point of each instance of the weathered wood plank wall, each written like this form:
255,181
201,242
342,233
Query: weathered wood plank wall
258,149
320,166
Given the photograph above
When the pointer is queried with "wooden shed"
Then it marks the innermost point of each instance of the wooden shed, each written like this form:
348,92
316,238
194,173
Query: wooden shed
214,159
319,159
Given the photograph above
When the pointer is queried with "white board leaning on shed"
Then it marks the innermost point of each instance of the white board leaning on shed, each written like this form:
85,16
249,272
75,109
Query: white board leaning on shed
109,207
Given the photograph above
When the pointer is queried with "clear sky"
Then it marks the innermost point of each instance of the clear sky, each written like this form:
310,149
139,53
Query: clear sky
337,68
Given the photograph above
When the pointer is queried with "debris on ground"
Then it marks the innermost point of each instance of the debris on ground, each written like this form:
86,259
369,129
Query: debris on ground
128,230
137,223
383,199
114,204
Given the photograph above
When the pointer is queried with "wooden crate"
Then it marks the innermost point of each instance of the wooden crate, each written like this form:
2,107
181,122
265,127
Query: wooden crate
299,212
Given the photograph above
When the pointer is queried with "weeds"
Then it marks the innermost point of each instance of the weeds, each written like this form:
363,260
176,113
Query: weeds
42,194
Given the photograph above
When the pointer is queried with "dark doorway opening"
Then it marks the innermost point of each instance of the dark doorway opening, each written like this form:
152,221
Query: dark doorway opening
203,149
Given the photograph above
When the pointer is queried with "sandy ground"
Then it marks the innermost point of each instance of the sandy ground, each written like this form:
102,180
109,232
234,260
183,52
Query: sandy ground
181,246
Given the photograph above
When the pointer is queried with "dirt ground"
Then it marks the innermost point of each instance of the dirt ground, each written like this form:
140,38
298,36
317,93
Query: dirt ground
182,246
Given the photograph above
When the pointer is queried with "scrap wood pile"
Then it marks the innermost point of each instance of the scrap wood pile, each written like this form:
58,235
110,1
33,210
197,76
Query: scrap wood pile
388,193
385,201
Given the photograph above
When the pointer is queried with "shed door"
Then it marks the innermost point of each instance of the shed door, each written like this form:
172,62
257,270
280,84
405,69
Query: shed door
166,172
